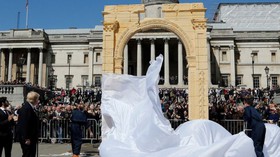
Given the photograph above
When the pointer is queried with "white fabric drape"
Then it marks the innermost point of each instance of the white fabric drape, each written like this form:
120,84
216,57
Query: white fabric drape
133,124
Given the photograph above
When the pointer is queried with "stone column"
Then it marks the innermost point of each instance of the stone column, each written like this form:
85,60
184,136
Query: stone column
166,63
153,49
32,73
10,65
28,65
40,67
180,63
232,65
90,65
93,62
209,62
110,31
125,60
139,57
3,66
14,72
217,56
44,75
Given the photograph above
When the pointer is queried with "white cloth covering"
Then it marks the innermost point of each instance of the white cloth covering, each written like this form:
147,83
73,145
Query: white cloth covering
133,124
272,141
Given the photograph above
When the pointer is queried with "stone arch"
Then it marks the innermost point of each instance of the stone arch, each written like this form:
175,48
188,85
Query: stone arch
187,21
150,24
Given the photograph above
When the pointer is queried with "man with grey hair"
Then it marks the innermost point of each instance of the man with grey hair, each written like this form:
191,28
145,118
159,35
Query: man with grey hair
28,123
254,123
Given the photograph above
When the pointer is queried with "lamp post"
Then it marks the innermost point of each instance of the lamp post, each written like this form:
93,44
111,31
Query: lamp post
21,62
253,62
266,69
68,78
51,79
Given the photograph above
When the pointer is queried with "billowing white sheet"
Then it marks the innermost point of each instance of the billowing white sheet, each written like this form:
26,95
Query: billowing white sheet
133,124
272,141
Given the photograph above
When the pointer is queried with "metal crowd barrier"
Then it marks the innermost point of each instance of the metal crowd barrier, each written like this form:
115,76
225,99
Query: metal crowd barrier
59,130
234,126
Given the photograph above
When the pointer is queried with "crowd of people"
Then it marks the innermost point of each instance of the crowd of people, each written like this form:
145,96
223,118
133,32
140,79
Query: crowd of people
223,104
26,120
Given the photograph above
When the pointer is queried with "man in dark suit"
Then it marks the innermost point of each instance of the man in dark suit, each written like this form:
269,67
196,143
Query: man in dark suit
255,124
28,123
78,119
6,123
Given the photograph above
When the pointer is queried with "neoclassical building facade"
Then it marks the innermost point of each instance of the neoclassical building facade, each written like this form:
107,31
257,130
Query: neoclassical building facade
242,40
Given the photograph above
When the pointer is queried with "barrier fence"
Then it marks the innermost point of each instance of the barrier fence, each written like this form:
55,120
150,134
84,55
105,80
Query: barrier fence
56,131
233,126
59,130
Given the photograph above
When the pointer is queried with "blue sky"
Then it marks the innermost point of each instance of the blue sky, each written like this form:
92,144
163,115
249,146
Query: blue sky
58,14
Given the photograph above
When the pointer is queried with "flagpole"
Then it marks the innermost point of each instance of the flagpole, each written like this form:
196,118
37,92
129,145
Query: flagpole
26,20
18,18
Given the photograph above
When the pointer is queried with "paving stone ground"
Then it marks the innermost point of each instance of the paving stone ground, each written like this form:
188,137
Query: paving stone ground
59,150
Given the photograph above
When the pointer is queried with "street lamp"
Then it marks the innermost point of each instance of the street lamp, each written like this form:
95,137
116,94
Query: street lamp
253,62
266,69
21,62
68,78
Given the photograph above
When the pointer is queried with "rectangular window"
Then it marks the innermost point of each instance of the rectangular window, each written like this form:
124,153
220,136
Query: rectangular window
85,58
239,80
274,80
224,55
256,82
84,80
273,57
53,59
69,57
225,81
98,57
97,81
254,56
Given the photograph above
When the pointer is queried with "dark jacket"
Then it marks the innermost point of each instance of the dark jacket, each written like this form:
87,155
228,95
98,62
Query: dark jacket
5,125
28,123
255,122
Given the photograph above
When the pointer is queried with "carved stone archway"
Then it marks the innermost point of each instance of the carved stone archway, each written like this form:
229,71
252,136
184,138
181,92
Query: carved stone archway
187,21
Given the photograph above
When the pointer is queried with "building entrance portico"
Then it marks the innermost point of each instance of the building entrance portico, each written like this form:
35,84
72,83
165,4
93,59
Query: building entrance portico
23,65
22,61
186,21
143,47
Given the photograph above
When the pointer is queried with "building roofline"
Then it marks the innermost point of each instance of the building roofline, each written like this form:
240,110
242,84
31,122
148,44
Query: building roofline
247,3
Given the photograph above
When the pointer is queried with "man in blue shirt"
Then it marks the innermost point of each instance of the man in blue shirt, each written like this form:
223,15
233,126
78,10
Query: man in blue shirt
255,124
